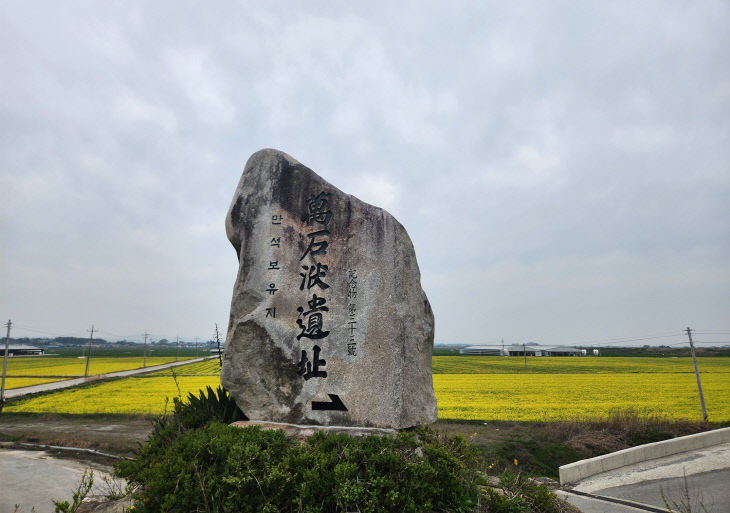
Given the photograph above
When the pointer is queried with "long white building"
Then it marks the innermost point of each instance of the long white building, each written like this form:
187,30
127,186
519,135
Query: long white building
521,350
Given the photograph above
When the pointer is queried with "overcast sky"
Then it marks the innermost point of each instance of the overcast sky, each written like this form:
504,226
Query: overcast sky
563,168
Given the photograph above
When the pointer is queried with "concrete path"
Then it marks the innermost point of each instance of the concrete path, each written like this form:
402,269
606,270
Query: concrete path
33,479
694,479
593,505
57,385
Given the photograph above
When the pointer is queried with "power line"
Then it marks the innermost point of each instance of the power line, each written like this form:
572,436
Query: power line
28,328
78,334
629,339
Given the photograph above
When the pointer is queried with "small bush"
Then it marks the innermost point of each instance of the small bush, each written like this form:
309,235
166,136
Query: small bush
209,405
225,469
195,462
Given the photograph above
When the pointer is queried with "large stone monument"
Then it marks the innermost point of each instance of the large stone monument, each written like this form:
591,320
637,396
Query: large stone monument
329,324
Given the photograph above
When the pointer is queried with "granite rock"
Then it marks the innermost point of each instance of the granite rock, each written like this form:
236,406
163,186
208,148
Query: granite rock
329,324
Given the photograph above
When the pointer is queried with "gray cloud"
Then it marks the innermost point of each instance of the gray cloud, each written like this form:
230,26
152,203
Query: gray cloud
562,169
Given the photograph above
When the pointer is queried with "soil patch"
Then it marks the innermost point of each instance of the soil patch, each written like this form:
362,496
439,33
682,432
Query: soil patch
537,448
115,434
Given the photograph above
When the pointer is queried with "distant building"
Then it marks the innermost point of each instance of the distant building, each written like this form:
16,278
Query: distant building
563,351
485,350
524,350
21,350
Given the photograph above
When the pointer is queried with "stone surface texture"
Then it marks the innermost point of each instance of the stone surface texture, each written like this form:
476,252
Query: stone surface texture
329,324
301,433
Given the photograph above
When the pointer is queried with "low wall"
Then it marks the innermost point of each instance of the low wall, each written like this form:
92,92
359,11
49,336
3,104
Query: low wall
574,472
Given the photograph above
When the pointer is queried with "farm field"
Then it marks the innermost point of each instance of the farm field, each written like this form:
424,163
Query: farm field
11,382
561,397
132,395
574,365
206,368
467,388
72,367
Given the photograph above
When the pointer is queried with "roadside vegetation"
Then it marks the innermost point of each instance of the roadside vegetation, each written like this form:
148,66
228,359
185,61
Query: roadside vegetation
540,448
194,461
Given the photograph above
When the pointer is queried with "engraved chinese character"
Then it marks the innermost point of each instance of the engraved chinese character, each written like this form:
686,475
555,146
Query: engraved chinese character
313,328
351,311
352,327
313,276
351,349
271,290
309,369
316,247
317,207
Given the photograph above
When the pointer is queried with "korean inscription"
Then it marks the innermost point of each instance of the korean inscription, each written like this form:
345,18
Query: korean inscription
351,312
311,319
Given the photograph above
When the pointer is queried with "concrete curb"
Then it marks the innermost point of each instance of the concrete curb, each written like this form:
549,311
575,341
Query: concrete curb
574,472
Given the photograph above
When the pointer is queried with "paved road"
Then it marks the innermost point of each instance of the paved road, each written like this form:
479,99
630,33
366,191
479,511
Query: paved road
33,479
592,505
698,479
57,385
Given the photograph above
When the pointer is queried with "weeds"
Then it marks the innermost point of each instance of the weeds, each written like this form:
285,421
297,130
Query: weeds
686,503
516,493
87,481
623,428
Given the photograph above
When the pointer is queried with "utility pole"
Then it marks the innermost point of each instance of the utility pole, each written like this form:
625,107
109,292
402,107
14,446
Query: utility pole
177,354
144,361
503,348
5,367
88,353
218,343
697,374
196,347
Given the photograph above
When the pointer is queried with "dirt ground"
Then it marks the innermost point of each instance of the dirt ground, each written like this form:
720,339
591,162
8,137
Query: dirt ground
536,448
121,435
118,435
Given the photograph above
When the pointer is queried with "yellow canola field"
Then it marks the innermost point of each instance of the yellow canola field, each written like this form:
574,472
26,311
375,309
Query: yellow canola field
545,397
128,395
207,368
76,366
26,382
573,365
480,389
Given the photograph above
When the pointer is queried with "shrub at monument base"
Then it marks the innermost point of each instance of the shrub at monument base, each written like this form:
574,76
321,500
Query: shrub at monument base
189,464
223,468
